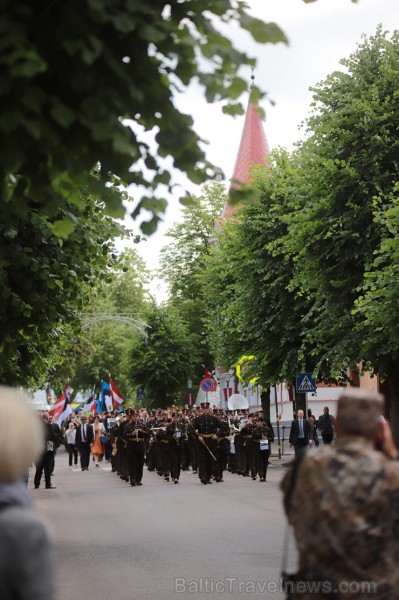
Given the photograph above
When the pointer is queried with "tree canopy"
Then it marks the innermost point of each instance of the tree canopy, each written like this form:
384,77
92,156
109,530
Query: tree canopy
44,283
83,82
162,361
183,267
309,279
112,320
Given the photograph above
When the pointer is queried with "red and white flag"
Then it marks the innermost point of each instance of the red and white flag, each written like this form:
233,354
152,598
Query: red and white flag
116,396
62,407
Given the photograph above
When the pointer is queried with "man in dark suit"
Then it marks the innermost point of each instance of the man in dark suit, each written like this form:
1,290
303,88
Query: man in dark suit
57,440
326,424
300,433
84,439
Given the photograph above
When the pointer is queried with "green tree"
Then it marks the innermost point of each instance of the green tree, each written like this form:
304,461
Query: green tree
376,307
350,164
112,320
322,241
253,311
82,82
183,268
162,361
44,282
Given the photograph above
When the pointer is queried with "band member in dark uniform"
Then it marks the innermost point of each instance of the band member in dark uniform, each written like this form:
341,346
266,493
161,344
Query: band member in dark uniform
151,444
234,427
114,439
205,428
222,447
135,434
162,448
192,445
249,451
174,434
262,437
121,444
185,450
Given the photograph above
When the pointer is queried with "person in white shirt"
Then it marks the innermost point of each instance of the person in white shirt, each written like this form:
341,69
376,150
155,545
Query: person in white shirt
70,434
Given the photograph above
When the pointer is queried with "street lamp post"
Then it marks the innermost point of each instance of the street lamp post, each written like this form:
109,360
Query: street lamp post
227,379
190,396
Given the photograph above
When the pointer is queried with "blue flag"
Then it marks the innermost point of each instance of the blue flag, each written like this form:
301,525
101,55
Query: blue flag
106,396
99,404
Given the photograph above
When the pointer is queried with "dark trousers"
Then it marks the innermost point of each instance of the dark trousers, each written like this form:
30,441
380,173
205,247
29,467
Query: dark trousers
84,455
249,461
164,458
300,445
221,455
233,458
240,454
45,464
185,455
107,450
151,462
124,464
205,460
262,461
175,451
73,454
135,461
327,438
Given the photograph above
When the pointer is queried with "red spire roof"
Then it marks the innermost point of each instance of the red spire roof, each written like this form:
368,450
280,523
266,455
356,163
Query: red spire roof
253,151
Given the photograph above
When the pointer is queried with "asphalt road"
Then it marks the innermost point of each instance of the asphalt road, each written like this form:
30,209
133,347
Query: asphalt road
161,540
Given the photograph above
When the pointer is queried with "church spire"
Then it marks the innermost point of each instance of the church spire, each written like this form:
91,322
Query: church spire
252,151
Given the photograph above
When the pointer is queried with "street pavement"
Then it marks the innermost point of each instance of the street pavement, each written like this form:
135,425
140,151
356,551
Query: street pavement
165,541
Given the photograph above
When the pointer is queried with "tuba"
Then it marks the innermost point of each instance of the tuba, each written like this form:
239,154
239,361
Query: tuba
237,402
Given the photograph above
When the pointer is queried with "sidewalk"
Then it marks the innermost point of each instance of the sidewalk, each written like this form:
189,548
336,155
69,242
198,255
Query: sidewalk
284,461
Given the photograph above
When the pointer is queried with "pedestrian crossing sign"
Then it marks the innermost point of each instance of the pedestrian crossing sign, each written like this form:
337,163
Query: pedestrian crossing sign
305,383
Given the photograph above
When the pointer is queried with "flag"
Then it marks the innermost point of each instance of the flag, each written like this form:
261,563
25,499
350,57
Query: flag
80,407
99,403
116,396
106,396
62,407
207,373
89,406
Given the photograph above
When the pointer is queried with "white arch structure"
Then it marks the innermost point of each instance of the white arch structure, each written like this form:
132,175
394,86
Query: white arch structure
126,318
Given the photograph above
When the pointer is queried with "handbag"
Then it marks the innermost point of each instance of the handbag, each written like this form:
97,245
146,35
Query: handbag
104,439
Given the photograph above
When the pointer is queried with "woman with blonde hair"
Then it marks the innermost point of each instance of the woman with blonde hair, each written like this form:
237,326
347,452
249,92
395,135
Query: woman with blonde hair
26,552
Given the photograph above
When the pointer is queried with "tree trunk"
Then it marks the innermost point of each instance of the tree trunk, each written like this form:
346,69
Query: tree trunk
300,400
265,400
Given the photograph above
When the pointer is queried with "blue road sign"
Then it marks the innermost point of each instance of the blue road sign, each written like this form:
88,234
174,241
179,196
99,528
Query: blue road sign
305,383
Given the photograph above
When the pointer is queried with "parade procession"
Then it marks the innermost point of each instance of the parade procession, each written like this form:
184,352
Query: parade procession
199,292
202,440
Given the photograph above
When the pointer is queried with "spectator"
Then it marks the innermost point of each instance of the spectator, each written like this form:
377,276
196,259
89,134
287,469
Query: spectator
300,433
350,490
70,435
313,429
46,461
26,550
57,439
325,425
84,439
97,449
